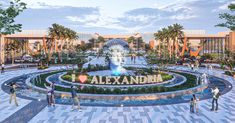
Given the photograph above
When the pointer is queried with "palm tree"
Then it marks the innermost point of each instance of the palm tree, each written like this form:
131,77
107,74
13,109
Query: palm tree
59,34
159,36
11,47
131,41
178,33
166,36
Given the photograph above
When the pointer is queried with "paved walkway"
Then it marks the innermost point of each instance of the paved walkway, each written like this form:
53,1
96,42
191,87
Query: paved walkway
148,114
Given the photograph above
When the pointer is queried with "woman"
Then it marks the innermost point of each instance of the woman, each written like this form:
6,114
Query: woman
48,95
195,100
13,93
53,94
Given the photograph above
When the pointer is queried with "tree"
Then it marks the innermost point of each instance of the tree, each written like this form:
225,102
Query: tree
8,15
7,19
230,18
159,36
61,34
176,34
166,36
11,48
92,42
131,39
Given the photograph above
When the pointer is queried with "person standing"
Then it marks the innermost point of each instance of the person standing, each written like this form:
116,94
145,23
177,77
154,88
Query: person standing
3,68
48,95
195,100
48,98
204,78
191,105
53,94
75,99
216,93
13,87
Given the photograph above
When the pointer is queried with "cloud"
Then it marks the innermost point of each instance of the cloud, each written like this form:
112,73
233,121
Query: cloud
103,16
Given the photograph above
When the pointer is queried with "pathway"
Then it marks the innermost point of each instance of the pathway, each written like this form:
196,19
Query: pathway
147,114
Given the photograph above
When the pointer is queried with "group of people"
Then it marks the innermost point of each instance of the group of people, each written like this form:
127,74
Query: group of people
194,101
50,94
193,104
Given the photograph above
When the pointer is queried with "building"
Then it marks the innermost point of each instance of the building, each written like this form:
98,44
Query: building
153,44
201,43
198,42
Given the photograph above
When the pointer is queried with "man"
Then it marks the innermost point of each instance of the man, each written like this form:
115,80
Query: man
215,92
75,98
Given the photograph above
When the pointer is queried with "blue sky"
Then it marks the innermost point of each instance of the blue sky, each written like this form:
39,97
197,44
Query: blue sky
123,16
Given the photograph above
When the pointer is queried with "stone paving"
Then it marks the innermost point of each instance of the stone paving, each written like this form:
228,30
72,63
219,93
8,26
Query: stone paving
177,113
7,109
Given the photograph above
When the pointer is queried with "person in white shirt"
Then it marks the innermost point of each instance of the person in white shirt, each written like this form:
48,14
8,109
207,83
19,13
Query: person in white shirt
216,93
204,78
3,67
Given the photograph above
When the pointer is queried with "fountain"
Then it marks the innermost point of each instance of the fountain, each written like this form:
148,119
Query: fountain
116,51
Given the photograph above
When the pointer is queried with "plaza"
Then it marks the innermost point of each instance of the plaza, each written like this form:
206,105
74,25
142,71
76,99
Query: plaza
86,62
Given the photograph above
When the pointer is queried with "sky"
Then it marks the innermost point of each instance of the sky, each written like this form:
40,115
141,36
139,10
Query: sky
123,16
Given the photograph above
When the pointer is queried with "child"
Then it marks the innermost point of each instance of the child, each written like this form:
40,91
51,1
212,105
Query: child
191,105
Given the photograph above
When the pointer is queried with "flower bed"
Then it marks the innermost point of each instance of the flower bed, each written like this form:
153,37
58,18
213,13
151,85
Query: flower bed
190,83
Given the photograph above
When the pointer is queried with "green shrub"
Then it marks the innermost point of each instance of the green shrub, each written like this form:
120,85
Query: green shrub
67,77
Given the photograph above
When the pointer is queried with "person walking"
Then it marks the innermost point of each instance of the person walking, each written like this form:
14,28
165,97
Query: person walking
13,87
216,93
75,99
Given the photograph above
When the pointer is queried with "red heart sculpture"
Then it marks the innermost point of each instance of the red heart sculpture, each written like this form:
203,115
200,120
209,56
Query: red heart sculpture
82,78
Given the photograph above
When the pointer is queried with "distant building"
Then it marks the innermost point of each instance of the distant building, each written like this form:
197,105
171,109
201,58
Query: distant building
198,41
153,44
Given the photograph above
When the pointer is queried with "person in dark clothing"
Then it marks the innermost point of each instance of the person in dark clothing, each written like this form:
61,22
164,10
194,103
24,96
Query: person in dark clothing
2,67
191,105
195,100
216,93
53,94
13,87
75,99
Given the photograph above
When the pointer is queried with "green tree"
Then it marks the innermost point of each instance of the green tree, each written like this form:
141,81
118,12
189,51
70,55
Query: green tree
229,17
7,19
8,15
11,48
131,39
61,34
159,37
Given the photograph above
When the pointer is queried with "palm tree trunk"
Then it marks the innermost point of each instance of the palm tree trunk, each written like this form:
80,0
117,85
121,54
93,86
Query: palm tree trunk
52,49
159,48
184,47
169,48
12,56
